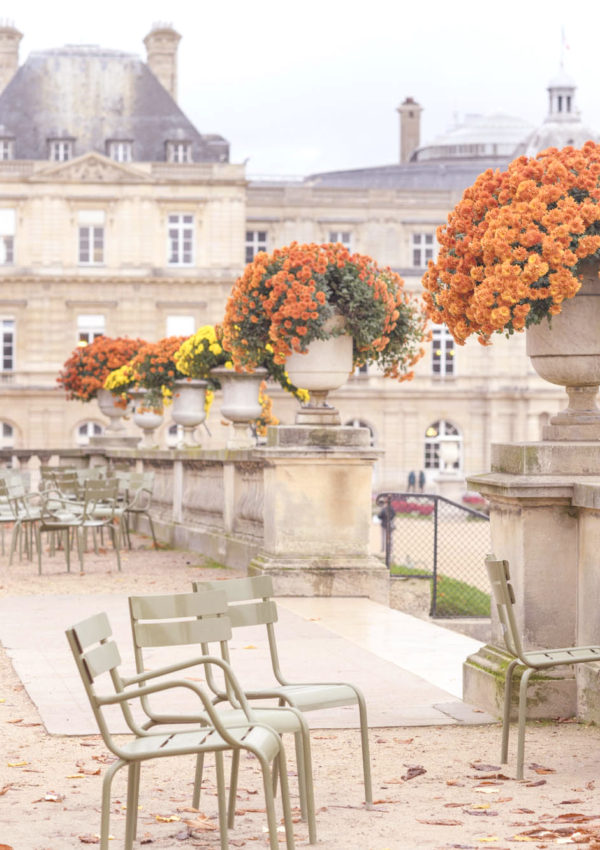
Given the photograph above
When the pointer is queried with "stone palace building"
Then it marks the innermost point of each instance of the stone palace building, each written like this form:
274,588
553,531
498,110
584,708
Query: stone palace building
118,216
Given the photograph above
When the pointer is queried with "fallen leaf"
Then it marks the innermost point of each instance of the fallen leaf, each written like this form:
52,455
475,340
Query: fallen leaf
403,740
18,720
3,790
203,823
167,818
441,822
455,782
570,802
574,817
535,784
89,839
538,768
16,763
51,797
250,646
486,767
415,770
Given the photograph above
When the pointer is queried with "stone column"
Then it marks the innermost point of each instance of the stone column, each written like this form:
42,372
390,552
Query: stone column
317,513
537,525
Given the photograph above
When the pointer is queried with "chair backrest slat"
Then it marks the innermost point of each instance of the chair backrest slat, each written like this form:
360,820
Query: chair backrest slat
182,632
240,589
101,659
504,597
93,630
177,605
252,614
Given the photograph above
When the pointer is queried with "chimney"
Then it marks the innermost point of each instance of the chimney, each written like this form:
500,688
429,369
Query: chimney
161,49
410,128
9,52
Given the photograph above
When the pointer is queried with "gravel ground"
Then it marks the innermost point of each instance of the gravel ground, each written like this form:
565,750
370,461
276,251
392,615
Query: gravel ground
435,787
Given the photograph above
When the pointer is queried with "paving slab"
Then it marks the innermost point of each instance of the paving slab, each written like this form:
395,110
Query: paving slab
410,670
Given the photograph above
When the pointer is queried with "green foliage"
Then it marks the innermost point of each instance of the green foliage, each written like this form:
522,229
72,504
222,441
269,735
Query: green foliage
454,598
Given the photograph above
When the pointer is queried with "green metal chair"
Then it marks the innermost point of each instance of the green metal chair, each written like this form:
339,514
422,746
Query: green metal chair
136,490
532,661
97,658
250,603
23,509
197,620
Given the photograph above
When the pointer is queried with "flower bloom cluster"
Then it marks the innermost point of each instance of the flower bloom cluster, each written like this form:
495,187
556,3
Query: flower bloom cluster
513,248
286,298
202,352
155,367
87,368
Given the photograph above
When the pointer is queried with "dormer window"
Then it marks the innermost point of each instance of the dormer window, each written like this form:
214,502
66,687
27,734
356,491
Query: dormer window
7,148
60,150
120,150
179,151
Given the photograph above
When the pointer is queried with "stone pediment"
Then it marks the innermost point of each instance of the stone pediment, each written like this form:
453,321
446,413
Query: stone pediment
90,168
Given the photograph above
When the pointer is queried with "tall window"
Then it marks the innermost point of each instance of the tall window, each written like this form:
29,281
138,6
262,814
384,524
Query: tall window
7,338
180,325
256,240
443,446
442,352
120,150
179,151
7,237
423,249
181,239
91,237
89,326
60,150
7,149
343,236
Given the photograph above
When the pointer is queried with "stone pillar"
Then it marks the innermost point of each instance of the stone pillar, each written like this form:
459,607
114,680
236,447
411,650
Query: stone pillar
317,513
537,525
10,38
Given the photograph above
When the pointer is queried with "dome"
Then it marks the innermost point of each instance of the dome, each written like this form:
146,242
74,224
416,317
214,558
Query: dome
479,137
562,81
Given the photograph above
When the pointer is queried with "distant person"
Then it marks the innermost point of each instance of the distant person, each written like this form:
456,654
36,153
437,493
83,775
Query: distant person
421,481
386,518
412,482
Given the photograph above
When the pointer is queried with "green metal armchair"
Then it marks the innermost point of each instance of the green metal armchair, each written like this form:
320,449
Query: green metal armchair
531,661
250,603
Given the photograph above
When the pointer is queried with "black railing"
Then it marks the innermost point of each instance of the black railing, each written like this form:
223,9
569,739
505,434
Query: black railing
430,537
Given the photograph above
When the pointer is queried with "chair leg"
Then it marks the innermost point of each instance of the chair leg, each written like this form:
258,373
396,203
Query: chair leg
285,800
366,758
151,524
105,816
307,791
133,786
198,780
220,772
38,543
113,534
270,801
508,682
235,769
522,718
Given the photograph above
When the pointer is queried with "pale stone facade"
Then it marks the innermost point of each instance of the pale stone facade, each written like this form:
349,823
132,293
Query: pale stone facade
95,217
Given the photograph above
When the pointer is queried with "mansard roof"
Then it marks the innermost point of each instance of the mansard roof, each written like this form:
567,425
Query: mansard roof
92,95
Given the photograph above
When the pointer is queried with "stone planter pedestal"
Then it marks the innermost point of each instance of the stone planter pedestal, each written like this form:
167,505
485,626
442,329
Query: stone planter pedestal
317,513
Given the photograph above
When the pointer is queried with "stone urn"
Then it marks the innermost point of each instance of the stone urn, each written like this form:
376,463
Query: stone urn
109,408
148,419
567,352
326,366
188,408
240,402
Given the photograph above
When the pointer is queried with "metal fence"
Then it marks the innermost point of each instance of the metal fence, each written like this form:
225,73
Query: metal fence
429,536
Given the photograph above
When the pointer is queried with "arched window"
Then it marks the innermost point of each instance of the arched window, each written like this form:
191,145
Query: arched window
87,430
442,352
7,436
360,423
443,446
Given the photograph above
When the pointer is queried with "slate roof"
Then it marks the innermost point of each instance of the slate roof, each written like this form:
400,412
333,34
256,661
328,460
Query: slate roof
93,95
421,176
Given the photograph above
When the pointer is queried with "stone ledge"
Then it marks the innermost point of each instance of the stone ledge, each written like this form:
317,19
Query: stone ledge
546,458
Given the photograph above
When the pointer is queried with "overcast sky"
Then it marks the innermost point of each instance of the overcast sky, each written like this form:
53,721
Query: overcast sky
313,86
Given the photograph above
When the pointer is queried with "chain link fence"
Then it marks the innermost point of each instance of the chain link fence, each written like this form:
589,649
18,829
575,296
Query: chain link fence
430,537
